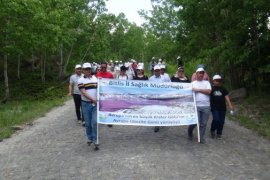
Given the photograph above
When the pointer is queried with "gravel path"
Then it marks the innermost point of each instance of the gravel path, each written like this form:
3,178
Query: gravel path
55,148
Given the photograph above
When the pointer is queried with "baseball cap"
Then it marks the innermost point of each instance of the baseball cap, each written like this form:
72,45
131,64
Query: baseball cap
200,69
215,77
180,67
86,65
78,66
140,67
156,67
162,66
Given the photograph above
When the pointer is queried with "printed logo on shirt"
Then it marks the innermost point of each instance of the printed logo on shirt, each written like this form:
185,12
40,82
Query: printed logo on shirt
217,93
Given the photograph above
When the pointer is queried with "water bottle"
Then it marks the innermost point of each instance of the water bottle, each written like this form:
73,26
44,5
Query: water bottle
231,112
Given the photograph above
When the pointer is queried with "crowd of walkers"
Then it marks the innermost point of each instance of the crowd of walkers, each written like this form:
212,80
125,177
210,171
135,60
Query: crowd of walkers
209,98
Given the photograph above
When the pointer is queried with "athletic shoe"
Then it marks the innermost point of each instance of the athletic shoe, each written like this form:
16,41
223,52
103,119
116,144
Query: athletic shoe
202,141
96,146
83,123
89,142
219,136
109,126
156,129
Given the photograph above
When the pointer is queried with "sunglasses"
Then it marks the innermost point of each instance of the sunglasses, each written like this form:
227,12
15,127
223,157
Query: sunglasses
103,67
87,68
201,72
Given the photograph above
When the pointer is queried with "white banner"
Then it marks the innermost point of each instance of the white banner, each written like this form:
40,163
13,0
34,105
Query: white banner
145,103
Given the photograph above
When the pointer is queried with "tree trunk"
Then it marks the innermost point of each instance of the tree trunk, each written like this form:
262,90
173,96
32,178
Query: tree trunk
61,62
6,80
69,55
18,67
42,69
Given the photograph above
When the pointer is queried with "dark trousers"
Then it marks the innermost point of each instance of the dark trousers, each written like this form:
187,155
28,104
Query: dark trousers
218,121
78,105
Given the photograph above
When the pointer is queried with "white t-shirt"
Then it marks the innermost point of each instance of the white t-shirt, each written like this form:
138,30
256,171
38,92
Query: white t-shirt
74,82
166,77
90,86
157,79
201,98
125,77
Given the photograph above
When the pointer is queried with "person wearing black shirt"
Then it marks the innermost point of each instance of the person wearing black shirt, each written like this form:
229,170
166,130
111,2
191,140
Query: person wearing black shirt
139,75
218,98
180,76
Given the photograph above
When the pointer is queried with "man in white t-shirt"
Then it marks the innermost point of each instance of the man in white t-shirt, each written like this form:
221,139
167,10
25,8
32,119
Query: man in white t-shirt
164,74
202,89
88,87
74,91
157,78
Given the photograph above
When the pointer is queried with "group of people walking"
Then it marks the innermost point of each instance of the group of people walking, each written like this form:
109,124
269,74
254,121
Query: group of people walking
83,88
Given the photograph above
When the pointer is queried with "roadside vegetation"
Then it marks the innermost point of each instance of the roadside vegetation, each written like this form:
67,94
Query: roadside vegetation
29,102
253,113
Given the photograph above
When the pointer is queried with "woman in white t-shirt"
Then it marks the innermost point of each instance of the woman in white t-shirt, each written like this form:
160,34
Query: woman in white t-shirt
122,75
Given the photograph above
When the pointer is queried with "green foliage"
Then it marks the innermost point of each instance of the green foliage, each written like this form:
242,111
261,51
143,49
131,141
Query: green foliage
231,37
253,113
23,111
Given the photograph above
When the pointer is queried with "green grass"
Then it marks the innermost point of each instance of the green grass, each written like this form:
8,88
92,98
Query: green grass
20,112
254,113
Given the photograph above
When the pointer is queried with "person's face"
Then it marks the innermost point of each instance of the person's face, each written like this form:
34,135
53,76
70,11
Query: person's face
87,71
78,71
103,67
139,71
162,70
217,82
157,72
200,75
122,72
181,72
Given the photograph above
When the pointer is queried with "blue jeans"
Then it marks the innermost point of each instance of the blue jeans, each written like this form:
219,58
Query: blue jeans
218,121
203,115
90,118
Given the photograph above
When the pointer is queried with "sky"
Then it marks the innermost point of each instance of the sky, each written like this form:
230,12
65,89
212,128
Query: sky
129,8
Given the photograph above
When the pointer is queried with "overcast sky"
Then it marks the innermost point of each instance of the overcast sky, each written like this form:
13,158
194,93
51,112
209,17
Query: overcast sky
129,8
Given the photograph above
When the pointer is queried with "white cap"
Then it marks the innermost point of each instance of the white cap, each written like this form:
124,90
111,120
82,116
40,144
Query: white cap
126,64
162,66
117,68
156,67
86,65
200,69
160,60
78,66
140,67
216,77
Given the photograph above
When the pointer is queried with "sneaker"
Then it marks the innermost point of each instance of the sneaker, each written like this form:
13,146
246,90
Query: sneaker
83,123
213,134
109,126
219,136
79,122
89,142
202,141
156,129
96,146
